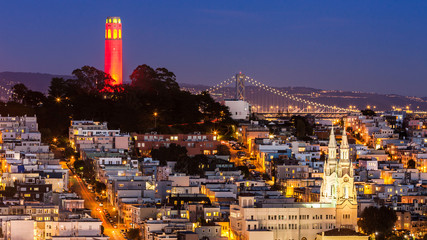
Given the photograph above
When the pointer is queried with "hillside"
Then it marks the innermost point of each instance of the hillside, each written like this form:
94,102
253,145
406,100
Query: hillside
35,81
40,82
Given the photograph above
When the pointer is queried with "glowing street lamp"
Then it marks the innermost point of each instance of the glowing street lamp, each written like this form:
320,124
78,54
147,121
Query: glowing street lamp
155,119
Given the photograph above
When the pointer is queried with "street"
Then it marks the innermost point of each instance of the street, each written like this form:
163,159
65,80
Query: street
77,185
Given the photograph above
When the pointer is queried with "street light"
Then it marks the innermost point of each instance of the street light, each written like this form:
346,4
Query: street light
155,119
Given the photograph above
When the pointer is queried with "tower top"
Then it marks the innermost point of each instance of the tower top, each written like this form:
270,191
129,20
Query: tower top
344,142
332,141
113,20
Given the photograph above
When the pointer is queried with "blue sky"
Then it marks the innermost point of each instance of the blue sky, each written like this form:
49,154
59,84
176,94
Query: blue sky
374,46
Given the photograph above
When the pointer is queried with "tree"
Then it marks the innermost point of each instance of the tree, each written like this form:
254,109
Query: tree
133,233
9,192
411,164
129,107
223,150
92,80
244,169
146,78
19,92
368,112
99,187
79,165
34,98
378,220
192,165
211,109
166,154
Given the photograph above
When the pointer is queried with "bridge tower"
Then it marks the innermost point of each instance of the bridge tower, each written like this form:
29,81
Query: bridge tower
240,86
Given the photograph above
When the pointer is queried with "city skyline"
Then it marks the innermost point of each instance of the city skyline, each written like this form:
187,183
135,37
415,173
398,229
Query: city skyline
371,47
224,120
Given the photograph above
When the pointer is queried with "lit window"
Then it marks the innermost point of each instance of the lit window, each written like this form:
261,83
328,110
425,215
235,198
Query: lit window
120,21
114,20
115,33
109,33
109,20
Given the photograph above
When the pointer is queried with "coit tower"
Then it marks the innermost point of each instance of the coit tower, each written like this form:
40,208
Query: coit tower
113,49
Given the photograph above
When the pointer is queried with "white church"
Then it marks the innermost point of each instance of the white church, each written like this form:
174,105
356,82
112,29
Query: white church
280,220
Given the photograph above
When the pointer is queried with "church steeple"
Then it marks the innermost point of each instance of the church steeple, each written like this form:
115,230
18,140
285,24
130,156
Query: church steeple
329,184
344,148
346,191
332,147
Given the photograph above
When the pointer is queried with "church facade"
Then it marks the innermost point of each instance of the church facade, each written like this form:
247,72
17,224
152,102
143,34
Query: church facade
284,221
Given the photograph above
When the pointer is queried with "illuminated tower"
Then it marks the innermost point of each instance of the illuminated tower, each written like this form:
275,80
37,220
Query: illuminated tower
113,49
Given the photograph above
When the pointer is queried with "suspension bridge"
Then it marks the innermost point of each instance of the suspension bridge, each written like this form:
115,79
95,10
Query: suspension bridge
273,102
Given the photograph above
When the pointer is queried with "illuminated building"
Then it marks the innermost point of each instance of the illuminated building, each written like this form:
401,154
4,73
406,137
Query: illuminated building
113,49
280,219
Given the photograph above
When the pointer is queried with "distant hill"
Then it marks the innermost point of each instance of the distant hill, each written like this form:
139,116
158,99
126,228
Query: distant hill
41,81
34,81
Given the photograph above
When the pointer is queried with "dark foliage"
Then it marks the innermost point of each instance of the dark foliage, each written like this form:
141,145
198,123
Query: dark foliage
129,107
166,154
368,112
411,164
133,234
378,220
223,150
192,165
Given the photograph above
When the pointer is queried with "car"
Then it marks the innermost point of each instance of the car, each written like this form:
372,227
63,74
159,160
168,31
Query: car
100,204
115,226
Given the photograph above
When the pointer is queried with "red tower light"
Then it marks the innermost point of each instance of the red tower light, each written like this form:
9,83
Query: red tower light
113,49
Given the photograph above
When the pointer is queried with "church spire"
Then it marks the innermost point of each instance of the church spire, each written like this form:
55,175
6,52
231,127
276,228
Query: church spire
329,184
332,148
344,142
344,149
332,141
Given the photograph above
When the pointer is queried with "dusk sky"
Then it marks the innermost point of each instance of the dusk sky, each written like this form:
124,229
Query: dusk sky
373,46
